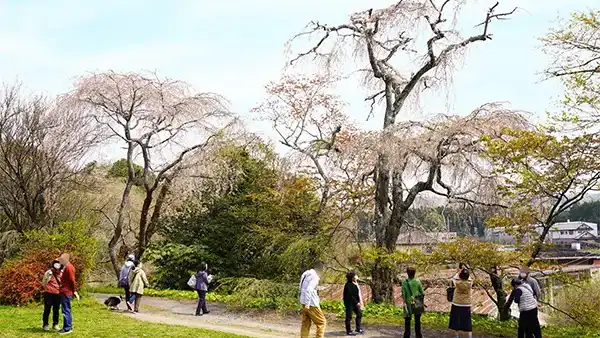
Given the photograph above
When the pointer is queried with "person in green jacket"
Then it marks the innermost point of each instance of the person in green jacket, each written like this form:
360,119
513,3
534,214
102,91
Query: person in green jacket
412,288
138,281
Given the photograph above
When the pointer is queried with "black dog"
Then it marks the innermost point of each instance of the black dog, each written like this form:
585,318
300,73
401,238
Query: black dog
113,302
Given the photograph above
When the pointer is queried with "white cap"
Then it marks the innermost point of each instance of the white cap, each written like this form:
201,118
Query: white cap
131,257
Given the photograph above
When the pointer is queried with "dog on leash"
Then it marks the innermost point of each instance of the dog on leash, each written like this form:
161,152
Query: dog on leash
113,302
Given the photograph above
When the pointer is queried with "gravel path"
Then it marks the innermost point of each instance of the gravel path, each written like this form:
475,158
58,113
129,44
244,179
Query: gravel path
167,311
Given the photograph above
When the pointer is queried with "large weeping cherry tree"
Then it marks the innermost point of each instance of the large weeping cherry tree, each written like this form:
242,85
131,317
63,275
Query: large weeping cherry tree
415,155
162,123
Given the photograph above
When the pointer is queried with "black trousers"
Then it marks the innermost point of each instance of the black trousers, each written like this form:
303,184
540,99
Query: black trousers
349,311
529,324
417,326
201,308
51,302
127,296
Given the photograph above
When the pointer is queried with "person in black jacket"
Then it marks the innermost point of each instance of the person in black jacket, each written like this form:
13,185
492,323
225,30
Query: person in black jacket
353,302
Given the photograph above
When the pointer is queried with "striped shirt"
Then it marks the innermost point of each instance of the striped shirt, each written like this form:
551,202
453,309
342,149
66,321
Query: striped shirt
525,298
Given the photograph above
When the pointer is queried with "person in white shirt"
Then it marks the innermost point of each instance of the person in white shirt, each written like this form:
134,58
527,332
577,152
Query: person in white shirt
311,312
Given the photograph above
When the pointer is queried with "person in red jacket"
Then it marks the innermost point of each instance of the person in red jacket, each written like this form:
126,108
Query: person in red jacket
68,289
51,282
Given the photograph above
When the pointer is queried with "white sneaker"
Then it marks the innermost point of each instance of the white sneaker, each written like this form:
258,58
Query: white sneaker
56,327
46,328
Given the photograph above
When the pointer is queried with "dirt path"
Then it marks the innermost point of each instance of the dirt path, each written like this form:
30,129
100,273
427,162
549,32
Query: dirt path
167,311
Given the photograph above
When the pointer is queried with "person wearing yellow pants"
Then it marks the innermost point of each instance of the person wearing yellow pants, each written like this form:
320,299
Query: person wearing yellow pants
311,305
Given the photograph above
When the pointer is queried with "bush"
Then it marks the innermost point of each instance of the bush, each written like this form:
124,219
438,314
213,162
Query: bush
20,277
176,263
74,238
581,302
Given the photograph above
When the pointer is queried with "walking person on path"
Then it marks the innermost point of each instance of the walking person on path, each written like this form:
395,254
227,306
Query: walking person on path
522,294
413,296
460,313
68,289
202,281
51,283
138,281
353,302
311,312
124,279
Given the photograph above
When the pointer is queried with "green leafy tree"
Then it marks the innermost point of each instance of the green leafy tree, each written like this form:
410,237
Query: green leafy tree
120,169
263,227
574,49
586,212
543,176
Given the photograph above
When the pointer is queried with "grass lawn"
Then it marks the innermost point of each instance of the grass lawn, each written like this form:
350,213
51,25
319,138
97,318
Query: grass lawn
92,320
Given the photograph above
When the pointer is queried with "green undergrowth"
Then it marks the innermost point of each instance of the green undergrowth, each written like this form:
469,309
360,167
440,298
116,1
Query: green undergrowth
374,314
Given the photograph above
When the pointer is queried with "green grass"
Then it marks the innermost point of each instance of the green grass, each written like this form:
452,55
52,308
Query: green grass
93,320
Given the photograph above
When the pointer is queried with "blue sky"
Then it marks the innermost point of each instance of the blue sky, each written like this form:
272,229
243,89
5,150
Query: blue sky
236,47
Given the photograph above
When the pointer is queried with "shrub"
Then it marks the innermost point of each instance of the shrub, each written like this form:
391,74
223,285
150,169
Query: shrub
72,237
581,302
176,263
20,277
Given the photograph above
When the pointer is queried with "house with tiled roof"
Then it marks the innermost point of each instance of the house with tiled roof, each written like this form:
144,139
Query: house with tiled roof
573,232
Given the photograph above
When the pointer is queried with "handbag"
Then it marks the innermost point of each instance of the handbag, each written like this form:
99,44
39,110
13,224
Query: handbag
450,293
192,282
417,306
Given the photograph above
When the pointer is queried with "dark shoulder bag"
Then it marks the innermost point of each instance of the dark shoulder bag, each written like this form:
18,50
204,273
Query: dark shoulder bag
450,292
417,306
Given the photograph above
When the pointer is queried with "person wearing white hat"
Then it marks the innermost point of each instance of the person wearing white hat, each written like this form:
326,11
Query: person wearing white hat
124,279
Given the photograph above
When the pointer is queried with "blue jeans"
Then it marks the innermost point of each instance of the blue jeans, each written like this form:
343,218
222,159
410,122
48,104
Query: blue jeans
65,302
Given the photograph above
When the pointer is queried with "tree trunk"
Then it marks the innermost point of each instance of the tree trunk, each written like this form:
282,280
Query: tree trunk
114,241
382,286
142,242
498,285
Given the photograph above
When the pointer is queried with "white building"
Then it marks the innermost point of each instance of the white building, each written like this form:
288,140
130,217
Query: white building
573,232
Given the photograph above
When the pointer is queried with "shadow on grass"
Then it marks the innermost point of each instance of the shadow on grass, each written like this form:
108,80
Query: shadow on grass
37,330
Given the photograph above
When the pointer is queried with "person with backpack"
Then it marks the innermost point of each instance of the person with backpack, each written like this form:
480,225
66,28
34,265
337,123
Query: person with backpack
524,295
51,283
124,279
414,297
460,313
137,282
68,288
353,303
202,281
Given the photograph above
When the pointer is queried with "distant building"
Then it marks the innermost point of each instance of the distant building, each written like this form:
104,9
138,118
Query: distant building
573,232
498,235
560,233
424,239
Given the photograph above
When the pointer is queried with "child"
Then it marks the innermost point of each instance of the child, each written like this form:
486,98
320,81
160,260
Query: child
138,282
51,283
353,302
